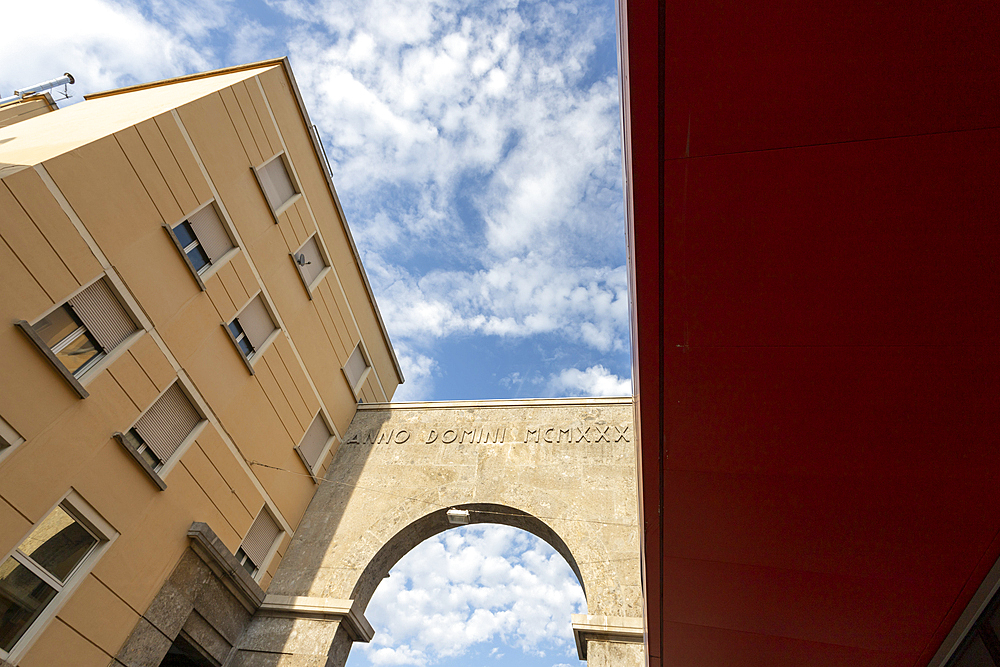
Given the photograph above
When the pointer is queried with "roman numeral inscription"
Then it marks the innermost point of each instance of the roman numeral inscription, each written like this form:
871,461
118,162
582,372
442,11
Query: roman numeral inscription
494,435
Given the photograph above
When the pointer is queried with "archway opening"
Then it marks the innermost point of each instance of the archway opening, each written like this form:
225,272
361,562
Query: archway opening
482,594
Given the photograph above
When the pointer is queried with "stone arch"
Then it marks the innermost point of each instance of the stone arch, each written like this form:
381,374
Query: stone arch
436,522
561,470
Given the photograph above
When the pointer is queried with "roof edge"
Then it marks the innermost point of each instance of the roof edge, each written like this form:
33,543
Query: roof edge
499,403
185,77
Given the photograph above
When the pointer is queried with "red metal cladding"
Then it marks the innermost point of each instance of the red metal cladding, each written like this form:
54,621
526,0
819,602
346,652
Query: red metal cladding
814,245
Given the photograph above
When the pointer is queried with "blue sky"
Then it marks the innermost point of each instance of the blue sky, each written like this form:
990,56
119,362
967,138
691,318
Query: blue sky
476,149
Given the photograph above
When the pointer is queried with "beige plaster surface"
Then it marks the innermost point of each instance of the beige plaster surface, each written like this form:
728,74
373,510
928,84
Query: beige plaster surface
561,469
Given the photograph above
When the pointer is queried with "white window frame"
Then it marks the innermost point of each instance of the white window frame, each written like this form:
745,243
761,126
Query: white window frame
325,451
257,352
328,264
93,369
9,439
96,525
159,474
276,212
209,269
356,389
262,568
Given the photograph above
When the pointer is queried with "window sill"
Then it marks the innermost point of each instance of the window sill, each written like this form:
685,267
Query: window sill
143,463
218,264
356,390
312,473
169,464
257,354
50,356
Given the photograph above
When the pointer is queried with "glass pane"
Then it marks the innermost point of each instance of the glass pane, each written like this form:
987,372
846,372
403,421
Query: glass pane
975,655
199,259
185,234
23,595
56,325
58,543
78,352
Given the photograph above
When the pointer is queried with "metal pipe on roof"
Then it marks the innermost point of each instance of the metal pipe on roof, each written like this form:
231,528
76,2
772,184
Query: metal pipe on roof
66,78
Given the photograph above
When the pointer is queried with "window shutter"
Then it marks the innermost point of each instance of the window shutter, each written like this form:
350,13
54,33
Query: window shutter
211,232
102,314
256,322
314,441
260,537
277,185
355,366
316,264
167,422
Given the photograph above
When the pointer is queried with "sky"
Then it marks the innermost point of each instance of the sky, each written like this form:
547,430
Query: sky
476,148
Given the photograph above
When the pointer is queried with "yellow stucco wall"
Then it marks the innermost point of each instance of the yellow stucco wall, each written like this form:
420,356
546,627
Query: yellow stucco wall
123,186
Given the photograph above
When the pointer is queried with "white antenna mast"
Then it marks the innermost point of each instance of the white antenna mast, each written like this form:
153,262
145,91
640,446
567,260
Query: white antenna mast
63,81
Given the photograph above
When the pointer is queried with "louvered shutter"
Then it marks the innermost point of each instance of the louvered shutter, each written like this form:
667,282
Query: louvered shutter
355,366
167,422
256,322
260,537
211,232
102,314
314,440
277,185
315,261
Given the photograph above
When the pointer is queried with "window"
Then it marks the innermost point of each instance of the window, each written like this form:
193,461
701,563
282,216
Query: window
314,442
78,334
203,238
162,428
356,369
981,647
252,328
276,183
257,545
45,565
310,262
9,437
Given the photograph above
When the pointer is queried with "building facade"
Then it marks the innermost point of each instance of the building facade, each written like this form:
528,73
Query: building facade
187,333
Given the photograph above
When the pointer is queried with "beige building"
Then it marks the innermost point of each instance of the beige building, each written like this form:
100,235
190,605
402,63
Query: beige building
187,332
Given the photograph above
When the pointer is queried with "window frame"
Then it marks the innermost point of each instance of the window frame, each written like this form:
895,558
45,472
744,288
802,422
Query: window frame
256,352
207,271
324,255
356,389
84,514
158,473
325,451
292,177
95,366
9,439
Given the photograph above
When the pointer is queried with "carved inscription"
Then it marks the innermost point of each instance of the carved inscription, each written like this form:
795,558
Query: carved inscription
497,435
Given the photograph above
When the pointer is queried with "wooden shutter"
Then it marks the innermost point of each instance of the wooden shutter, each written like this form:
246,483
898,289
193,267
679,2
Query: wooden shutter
211,232
277,185
256,322
315,261
260,537
314,441
167,422
102,314
355,366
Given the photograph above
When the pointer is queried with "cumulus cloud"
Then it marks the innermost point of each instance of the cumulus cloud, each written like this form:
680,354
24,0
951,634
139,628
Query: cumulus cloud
594,381
470,586
105,44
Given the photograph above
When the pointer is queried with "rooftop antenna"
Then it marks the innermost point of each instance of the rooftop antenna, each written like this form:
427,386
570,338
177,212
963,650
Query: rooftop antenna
63,81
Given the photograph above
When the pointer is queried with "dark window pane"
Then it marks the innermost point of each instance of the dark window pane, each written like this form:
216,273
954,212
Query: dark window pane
198,257
185,234
245,346
78,352
235,327
23,596
56,326
58,543
975,655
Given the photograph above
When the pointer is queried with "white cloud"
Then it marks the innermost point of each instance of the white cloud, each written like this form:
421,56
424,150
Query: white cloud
595,381
469,586
104,43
